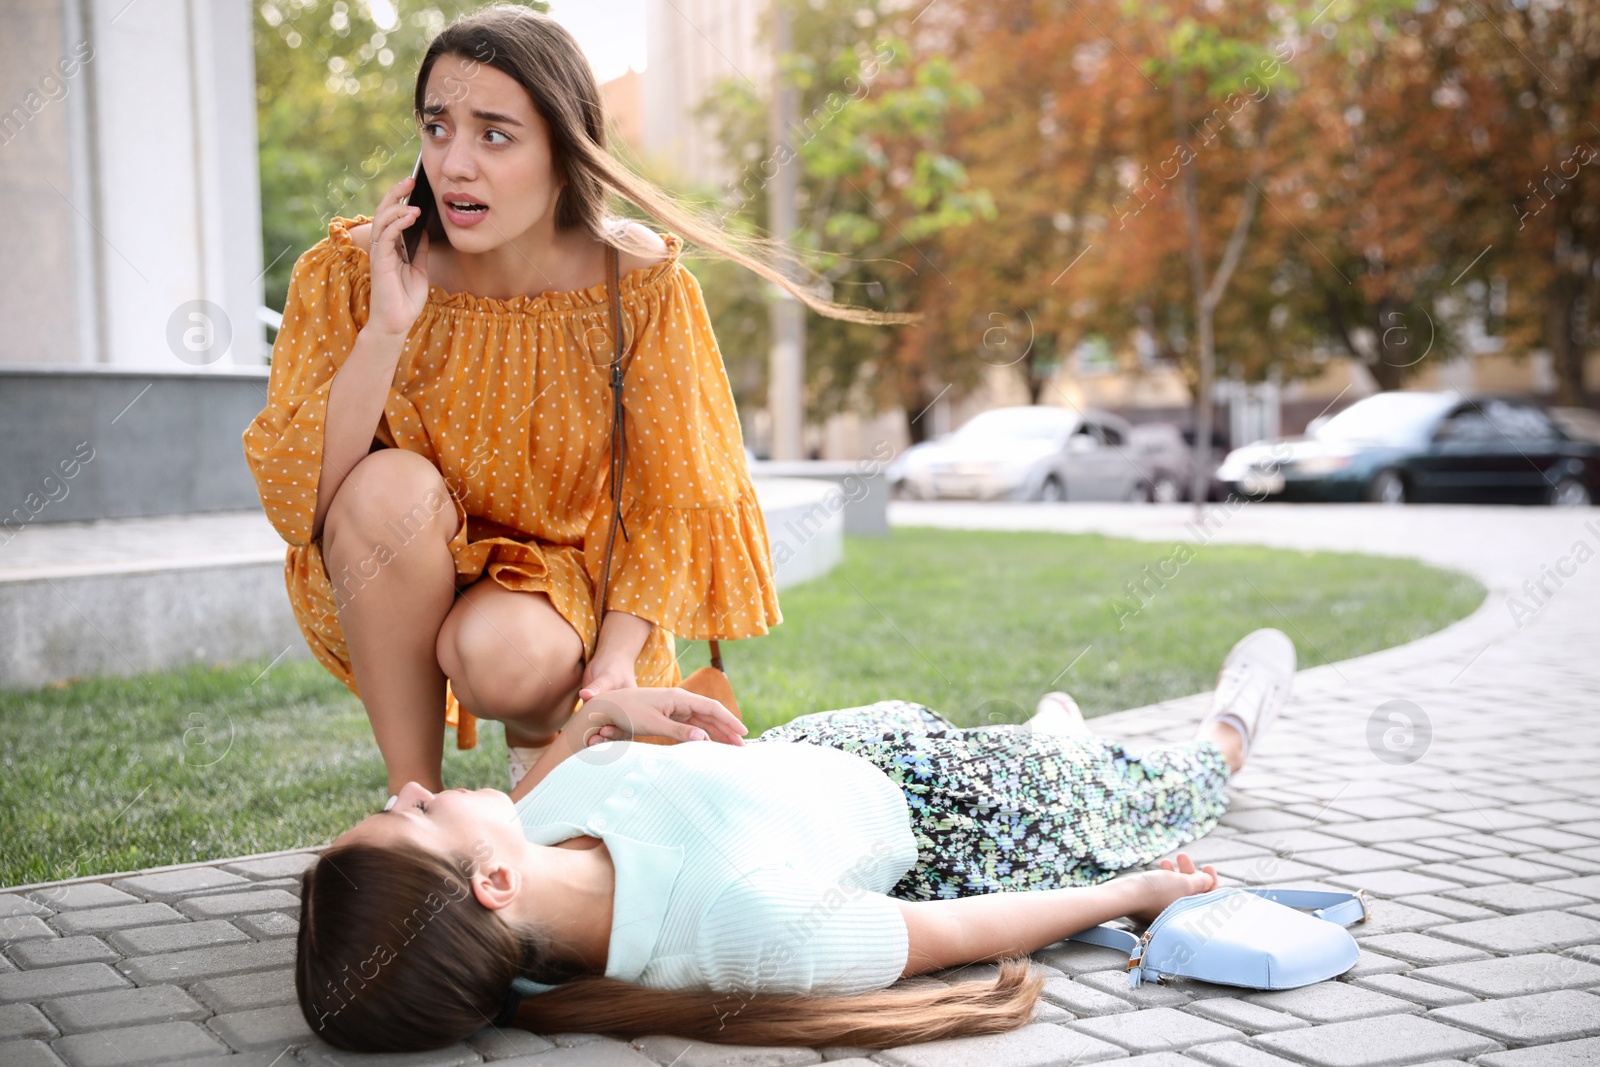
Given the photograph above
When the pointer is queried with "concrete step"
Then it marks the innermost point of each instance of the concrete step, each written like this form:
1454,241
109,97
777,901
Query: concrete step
125,596
860,489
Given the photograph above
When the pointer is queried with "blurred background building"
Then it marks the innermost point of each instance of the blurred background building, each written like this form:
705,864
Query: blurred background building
693,44
129,182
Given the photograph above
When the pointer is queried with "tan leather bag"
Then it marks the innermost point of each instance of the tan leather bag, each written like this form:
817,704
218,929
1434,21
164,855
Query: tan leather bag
709,681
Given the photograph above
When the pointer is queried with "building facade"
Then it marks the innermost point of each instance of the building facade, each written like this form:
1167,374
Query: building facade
129,184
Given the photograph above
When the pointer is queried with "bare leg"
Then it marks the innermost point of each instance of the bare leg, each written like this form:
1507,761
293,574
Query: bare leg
511,656
385,544
1227,739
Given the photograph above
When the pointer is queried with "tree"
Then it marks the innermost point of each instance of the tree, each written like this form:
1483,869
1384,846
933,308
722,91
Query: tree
1206,62
1257,181
1077,140
1042,142
876,182
1536,67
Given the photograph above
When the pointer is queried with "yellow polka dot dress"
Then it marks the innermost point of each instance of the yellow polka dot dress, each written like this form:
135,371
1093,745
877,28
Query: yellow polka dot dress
511,401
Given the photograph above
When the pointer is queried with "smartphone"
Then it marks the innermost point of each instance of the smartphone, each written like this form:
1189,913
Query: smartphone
421,195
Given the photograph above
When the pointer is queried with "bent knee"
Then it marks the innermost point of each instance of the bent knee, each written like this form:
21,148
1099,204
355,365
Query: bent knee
512,688
391,493
498,677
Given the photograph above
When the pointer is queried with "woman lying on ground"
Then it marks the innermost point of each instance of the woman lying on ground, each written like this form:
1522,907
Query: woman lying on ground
764,892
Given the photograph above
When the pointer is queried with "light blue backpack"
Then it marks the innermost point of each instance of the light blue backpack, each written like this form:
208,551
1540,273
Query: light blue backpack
1243,937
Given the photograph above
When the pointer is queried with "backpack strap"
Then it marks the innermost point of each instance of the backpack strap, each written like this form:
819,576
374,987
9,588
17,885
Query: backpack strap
1341,908
1110,937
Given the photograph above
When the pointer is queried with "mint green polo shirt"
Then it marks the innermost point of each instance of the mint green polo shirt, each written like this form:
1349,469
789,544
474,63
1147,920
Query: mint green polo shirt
739,869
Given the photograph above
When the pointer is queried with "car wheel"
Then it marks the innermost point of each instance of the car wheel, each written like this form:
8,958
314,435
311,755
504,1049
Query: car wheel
1387,488
1166,491
1052,491
1570,493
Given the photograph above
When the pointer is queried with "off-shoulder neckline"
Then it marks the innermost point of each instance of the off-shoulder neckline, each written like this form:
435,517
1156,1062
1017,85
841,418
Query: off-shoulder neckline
640,279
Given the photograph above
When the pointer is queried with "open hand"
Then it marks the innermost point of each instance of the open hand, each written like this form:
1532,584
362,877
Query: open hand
1172,881
659,711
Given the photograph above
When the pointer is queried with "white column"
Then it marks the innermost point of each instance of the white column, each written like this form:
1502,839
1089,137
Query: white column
135,177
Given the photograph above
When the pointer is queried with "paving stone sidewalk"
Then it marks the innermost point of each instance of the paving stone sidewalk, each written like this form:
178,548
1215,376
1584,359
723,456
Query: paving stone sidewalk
1476,827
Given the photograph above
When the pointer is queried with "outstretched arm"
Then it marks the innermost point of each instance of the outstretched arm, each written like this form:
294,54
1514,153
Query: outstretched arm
952,933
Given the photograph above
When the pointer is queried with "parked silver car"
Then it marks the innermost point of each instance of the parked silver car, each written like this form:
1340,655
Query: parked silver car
1025,453
1167,460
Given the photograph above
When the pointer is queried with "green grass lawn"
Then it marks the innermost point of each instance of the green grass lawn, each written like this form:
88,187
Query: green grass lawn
205,763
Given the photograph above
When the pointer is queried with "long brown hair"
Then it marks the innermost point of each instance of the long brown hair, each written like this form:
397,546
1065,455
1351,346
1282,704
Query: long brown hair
396,954
544,58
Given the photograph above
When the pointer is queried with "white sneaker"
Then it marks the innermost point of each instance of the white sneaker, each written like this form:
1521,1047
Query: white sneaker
520,760
1254,684
1057,713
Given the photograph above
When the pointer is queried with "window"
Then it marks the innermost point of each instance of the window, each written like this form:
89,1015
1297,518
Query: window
1038,423
1518,421
1468,424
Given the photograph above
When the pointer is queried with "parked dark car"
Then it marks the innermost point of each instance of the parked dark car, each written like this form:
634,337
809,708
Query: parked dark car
1580,424
1432,447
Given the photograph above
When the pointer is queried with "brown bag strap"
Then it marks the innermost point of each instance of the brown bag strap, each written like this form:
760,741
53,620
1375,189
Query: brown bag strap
619,446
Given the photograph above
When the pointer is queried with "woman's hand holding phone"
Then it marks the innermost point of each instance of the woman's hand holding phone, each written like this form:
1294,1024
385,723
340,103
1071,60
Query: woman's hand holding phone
399,289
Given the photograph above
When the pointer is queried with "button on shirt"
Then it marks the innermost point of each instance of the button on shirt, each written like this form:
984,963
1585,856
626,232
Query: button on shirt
742,869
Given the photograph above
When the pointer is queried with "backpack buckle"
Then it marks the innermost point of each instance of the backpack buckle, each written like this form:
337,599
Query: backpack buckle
1136,958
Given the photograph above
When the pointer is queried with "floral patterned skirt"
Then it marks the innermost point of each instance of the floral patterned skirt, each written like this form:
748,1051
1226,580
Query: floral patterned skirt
1003,809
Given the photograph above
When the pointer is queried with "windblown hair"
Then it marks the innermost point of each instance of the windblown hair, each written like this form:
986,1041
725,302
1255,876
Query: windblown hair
544,58
396,954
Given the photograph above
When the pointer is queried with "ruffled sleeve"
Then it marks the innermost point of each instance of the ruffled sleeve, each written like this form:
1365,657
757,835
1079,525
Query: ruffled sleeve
324,311
696,559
